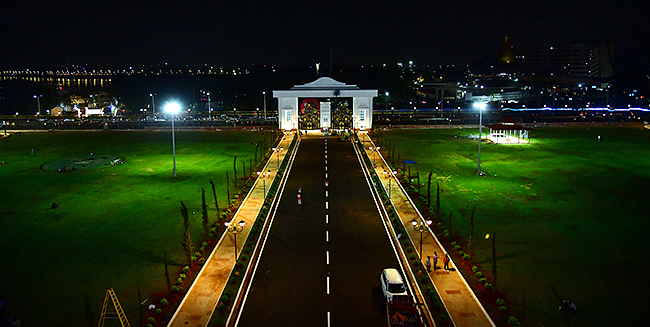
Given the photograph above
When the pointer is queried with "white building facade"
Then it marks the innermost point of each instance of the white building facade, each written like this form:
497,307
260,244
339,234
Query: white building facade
325,89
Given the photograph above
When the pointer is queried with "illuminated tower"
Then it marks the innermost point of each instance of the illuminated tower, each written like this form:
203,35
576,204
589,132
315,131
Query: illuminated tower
506,56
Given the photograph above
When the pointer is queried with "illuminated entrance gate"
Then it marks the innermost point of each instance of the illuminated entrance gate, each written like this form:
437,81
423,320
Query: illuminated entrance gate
326,104
309,115
342,115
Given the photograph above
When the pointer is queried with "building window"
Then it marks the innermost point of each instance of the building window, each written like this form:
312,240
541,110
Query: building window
362,115
287,115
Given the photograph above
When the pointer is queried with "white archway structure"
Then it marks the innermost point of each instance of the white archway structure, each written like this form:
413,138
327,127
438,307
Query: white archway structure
325,88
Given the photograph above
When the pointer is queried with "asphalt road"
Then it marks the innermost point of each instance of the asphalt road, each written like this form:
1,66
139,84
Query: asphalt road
322,260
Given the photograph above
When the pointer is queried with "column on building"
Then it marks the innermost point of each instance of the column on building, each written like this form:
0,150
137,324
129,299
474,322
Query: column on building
288,113
325,115
362,113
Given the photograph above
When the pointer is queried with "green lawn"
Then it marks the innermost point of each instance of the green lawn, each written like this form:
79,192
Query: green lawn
569,212
112,224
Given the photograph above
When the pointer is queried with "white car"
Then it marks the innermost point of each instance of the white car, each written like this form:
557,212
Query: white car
392,284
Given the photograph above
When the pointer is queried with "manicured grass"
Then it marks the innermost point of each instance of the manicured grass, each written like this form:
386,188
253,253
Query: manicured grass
569,212
112,224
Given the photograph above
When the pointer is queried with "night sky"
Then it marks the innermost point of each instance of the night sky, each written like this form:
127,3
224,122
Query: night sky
124,33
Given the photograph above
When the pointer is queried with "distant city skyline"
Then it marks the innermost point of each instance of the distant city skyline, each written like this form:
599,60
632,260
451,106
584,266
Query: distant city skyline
229,33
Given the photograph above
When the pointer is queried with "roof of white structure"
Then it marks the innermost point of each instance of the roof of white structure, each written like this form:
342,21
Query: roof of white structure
325,87
325,83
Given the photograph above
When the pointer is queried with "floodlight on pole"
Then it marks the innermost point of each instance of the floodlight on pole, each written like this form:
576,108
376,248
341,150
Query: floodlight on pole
173,108
480,106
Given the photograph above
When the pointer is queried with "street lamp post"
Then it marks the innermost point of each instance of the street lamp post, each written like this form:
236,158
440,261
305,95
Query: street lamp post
153,103
264,176
235,229
277,154
481,107
210,105
173,108
421,226
388,175
38,99
386,101
264,94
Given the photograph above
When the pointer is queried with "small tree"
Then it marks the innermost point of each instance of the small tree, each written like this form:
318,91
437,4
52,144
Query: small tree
214,193
429,188
471,233
169,284
187,241
228,187
494,261
438,201
204,212
234,167
450,214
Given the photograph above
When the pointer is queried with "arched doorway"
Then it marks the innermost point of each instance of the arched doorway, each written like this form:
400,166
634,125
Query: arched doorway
309,117
342,115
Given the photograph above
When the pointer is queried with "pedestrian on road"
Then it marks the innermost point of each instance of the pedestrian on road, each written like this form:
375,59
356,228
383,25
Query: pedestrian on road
326,185
299,189
435,260
446,261
299,199
428,263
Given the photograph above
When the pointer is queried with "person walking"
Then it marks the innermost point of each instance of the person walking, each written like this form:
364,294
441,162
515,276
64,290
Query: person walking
327,184
299,189
435,260
428,263
299,199
446,261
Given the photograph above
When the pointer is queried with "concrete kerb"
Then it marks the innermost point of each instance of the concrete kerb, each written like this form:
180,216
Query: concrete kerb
403,259
221,239
412,204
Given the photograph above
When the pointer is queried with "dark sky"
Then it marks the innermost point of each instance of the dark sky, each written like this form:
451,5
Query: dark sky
297,31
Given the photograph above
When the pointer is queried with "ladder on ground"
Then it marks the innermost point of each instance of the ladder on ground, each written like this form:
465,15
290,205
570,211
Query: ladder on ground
118,308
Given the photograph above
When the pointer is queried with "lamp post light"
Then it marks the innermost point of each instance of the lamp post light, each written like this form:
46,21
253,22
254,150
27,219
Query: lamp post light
277,154
481,107
38,99
173,108
235,229
264,176
421,226
388,175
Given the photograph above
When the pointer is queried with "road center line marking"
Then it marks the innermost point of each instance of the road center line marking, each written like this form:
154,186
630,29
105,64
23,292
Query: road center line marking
325,167
328,284
327,236
326,205
328,319
325,175
327,219
328,257
326,194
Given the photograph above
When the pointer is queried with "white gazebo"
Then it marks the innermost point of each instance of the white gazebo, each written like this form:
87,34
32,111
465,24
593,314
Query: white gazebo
325,89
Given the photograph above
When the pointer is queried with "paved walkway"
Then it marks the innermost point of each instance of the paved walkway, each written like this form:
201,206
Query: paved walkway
460,301
201,300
